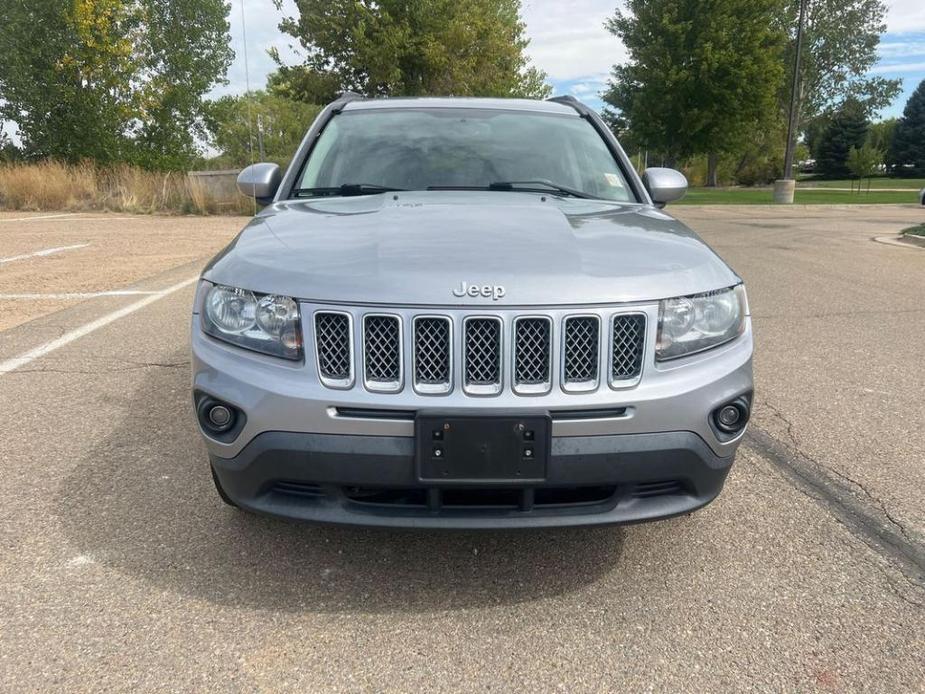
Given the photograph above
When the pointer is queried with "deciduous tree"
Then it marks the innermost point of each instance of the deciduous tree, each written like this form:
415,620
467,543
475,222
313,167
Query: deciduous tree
840,42
864,162
701,74
110,79
235,123
881,134
417,47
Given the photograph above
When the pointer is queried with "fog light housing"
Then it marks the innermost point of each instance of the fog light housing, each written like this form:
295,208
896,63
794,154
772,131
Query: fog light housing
218,419
732,417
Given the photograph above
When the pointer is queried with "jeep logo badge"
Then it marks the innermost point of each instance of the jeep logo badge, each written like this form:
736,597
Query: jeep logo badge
492,291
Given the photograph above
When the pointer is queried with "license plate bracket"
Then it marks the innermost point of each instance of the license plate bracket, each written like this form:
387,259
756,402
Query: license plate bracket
472,448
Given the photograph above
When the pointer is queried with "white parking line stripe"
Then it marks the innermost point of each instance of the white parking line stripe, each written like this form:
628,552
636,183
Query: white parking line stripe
46,216
43,252
77,333
79,295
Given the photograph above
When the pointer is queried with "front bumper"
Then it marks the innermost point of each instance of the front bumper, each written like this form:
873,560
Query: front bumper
310,452
371,480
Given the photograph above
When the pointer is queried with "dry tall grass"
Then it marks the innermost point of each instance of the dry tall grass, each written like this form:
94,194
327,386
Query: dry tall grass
52,185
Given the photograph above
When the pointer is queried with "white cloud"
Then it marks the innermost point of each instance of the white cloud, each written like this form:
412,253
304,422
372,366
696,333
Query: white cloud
898,67
261,24
905,15
902,49
568,39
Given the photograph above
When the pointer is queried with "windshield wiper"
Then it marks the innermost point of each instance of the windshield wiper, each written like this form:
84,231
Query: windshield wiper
525,185
345,189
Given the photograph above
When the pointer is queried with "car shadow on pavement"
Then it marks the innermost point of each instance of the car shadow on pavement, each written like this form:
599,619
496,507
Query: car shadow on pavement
142,503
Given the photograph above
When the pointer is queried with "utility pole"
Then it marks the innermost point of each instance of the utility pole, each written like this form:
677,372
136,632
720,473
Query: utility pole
783,188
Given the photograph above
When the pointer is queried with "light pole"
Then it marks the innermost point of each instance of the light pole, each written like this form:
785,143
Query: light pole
783,188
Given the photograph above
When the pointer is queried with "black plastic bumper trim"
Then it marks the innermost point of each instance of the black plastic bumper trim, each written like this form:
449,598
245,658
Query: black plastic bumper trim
333,462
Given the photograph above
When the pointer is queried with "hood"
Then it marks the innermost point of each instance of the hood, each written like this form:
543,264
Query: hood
427,248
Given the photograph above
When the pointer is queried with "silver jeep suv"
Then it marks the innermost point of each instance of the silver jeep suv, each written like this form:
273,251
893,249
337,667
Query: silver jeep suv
468,313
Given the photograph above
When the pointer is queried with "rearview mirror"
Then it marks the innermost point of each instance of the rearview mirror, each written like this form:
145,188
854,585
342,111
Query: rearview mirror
260,181
664,185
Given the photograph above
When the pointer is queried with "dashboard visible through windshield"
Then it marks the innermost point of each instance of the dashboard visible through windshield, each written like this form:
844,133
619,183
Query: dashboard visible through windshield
367,151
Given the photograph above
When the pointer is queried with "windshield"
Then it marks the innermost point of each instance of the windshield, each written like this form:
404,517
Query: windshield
420,149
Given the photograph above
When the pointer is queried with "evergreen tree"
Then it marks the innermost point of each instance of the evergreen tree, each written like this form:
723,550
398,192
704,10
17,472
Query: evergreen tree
847,128
907,151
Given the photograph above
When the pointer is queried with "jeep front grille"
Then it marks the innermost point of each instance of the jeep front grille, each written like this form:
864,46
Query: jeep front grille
382,352
482,355
333,340
581,352
627,344
532,354
523,353
432,354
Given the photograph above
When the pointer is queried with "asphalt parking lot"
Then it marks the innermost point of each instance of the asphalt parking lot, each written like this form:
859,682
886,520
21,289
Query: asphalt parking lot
120,568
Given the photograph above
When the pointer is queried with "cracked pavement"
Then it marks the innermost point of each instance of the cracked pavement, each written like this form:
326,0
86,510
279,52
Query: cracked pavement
121,570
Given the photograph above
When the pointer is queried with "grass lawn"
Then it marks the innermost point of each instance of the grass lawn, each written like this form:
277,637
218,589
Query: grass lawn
898,183
915,231
803,196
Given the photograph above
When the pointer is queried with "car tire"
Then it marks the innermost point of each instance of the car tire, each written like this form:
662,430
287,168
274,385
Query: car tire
221,491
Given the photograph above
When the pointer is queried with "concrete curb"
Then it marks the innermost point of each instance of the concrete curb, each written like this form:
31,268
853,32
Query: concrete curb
899,241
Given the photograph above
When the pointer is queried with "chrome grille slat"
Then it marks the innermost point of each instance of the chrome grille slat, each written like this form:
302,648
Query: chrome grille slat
581,352
382,352
432,354
627,345
482,355
334,348
532,354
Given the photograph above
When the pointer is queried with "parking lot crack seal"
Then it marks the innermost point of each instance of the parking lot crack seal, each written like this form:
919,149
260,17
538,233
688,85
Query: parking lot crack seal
130,366
846,478
852,504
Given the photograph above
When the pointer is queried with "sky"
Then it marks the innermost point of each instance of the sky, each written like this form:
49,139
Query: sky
568,41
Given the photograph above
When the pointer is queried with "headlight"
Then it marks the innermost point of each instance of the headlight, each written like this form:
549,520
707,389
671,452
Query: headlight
692,324
262,322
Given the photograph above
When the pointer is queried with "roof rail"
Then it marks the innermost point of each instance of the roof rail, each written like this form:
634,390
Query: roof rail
569,100
344,99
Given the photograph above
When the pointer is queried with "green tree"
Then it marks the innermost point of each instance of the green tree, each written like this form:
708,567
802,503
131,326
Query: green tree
864,161
847,129
813,129
701,75
840,43
417,47
881,133
239,126
8,151
907,150
110,80
186,50
301,83
65,76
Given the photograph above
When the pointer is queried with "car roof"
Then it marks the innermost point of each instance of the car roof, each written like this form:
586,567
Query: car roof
461,102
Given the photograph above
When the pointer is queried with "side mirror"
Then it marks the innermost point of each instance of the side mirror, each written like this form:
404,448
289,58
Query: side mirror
664,185
260,181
